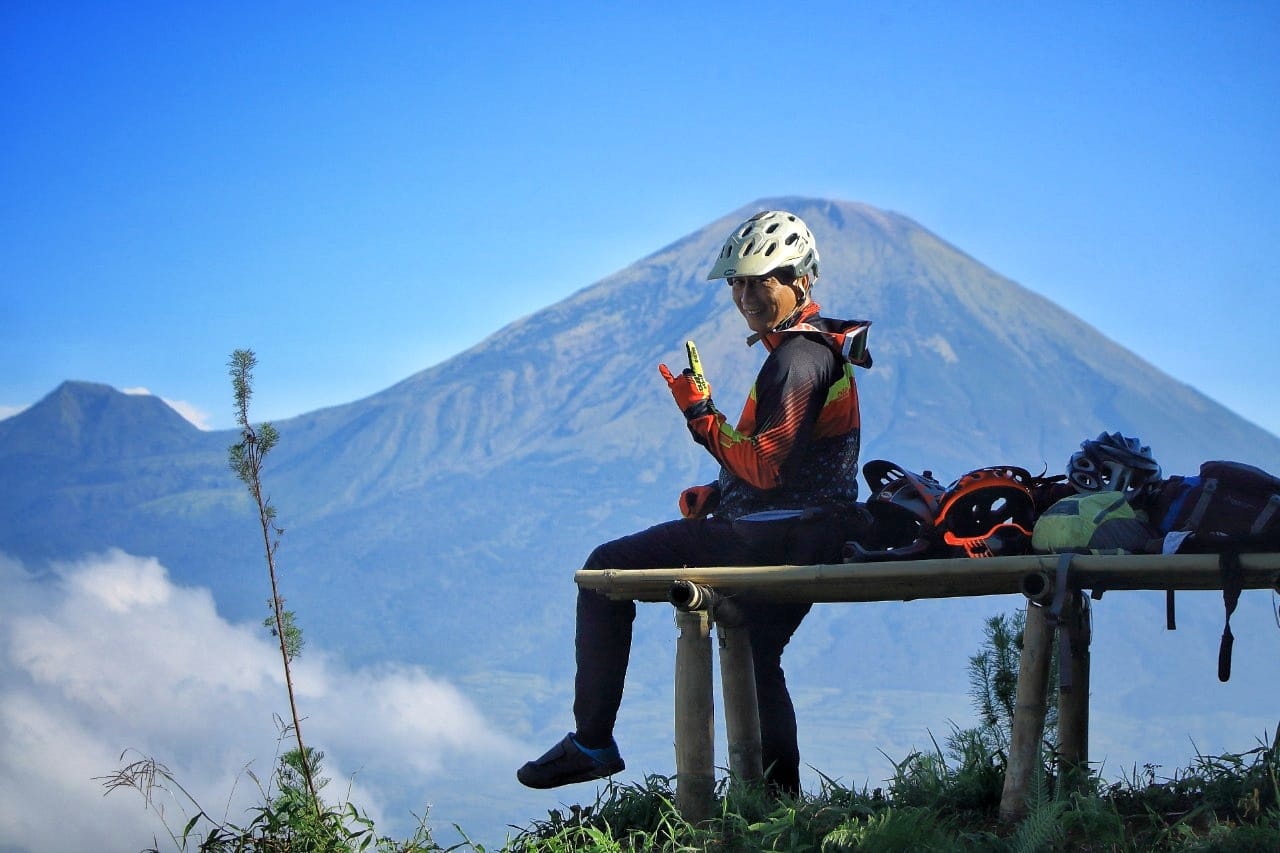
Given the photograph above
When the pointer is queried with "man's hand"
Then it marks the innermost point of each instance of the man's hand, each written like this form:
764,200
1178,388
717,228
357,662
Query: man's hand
693,401
698,501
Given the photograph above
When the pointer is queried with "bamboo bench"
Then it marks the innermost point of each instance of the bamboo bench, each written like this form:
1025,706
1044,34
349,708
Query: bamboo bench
1055,599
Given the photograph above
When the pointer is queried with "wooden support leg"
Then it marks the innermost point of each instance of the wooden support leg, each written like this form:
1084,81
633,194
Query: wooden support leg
741,713
695,726
1028,715
1073,705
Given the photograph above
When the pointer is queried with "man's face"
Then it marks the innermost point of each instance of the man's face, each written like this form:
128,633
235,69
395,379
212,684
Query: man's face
764,301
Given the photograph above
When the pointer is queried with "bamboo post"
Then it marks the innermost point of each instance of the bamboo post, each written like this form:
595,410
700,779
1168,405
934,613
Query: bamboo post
695,726
741,713
1028,713
1073,705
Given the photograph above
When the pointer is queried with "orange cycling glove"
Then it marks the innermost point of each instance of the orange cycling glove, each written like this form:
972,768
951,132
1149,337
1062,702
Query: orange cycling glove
698,501
694,402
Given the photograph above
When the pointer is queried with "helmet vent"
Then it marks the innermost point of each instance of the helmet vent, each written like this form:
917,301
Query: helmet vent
1112,462
770,240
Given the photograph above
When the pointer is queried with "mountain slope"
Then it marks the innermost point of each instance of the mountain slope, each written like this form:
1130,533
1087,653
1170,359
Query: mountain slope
1006,374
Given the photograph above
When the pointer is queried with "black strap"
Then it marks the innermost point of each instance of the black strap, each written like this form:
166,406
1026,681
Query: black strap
1054,618
1264,517
1232,583
1060,587
1170,616
1079,631
1202,505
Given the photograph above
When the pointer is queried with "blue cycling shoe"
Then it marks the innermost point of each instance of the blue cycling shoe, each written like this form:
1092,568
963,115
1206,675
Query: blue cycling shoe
568,762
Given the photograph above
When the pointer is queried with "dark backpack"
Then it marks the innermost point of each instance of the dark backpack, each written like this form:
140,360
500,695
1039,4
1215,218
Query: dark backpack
1230,506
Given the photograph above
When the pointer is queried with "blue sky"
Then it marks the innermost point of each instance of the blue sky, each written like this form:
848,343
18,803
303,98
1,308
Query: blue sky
359,191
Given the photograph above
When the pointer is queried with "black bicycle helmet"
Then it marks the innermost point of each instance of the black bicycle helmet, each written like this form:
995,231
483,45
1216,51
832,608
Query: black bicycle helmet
989,512
903,505
1112,463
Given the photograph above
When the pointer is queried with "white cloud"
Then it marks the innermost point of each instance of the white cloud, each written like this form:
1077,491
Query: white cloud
108,654
10,411
193,413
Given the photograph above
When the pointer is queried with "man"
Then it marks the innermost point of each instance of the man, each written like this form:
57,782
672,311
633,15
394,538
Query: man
786,495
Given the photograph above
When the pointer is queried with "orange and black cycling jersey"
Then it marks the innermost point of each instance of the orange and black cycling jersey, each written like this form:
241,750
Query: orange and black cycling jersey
796,443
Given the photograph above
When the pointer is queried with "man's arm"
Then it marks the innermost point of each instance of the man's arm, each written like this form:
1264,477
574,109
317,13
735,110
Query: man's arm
779,415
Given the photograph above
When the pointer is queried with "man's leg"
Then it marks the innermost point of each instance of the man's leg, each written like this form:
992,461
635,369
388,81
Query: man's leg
770,629
602,651
771,625
603,638
603,644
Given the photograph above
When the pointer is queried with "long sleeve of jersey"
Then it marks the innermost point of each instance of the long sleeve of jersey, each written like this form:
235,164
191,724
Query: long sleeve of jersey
780,414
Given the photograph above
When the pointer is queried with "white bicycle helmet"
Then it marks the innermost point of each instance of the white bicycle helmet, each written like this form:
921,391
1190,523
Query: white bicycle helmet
768,241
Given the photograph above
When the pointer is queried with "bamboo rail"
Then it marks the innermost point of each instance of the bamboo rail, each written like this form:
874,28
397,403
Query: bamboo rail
946,578
703,596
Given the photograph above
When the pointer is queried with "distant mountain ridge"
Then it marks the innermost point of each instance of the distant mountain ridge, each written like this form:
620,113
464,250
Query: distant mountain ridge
87,419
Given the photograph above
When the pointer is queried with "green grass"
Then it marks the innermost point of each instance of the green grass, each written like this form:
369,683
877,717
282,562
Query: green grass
941,801
944,799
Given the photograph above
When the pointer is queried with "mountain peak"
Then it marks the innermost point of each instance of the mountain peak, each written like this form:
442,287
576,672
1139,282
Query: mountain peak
80,419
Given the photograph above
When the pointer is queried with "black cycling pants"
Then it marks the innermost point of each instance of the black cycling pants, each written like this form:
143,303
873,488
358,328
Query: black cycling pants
603,644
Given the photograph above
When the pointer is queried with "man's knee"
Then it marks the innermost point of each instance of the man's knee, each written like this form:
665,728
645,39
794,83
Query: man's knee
599,557
625,552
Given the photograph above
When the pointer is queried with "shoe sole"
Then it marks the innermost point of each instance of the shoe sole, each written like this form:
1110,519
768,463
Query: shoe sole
585,776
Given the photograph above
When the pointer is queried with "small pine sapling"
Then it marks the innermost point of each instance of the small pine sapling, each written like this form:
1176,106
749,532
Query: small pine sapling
245,458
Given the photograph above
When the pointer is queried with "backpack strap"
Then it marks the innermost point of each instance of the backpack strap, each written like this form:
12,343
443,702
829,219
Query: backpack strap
1260,523
1208,487
1232,583
1170,616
